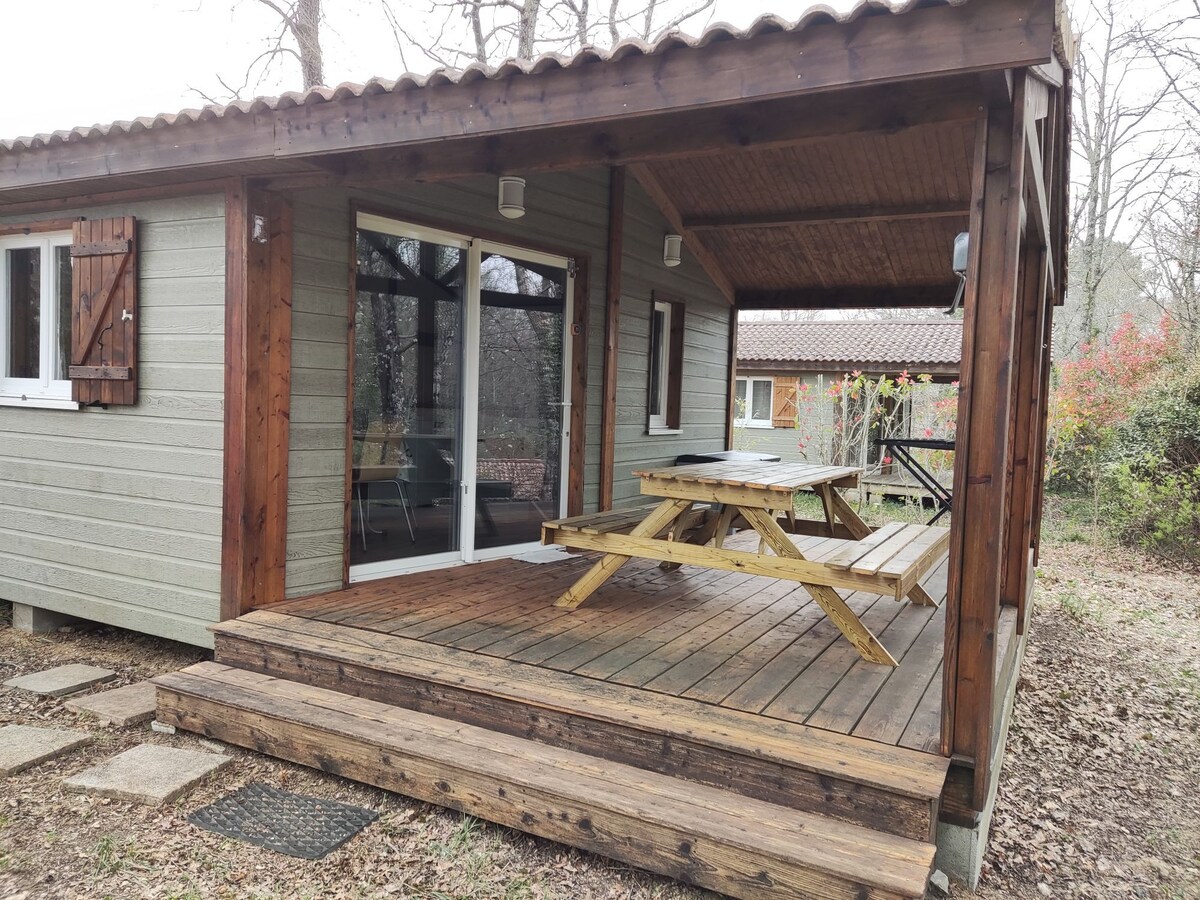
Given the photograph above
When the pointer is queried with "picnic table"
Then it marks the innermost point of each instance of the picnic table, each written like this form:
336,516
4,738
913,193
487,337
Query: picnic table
699,503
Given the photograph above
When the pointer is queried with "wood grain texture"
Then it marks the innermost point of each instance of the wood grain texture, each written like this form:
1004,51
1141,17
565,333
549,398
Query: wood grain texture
981,478
688,831
612,317
817,770
257,399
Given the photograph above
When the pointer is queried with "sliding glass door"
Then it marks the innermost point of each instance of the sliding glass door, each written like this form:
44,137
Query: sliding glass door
459,422
521,400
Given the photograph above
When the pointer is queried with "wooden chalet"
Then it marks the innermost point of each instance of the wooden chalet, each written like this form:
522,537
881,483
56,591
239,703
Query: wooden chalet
296,375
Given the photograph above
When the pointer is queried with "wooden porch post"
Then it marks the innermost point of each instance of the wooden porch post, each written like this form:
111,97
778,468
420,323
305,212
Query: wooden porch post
612,325
984,433
1027,359
258,342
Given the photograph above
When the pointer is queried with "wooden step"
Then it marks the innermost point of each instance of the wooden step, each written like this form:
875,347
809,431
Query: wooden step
877,785
698,834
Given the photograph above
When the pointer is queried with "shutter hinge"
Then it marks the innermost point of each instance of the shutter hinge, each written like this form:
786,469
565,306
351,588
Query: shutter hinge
572,269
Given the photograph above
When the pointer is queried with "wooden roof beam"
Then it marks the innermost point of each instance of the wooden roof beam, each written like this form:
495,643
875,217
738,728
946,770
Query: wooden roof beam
907,296
843,216
654,188
925,42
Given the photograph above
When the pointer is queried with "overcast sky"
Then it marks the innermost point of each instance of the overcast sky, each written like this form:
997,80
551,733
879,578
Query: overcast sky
78,62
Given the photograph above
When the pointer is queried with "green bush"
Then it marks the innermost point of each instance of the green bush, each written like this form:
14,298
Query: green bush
1160,513
1149,472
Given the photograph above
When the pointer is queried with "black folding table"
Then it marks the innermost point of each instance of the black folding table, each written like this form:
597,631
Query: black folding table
900,450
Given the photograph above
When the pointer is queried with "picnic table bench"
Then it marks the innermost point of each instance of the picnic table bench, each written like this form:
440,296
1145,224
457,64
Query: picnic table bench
702,501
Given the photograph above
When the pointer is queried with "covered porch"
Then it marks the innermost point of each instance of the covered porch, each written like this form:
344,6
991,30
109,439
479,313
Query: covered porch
707,724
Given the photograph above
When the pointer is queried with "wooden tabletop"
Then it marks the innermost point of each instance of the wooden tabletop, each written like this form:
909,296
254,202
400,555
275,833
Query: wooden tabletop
784,478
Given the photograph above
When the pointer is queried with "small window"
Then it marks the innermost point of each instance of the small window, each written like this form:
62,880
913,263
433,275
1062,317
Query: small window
752,402
665,397
35,319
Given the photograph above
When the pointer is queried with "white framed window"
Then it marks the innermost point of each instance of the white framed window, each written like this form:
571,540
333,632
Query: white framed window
660,363
664,396
35,320
752,401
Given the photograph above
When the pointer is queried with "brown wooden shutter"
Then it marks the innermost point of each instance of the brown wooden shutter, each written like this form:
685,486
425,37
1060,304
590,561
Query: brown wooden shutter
783,402
104,313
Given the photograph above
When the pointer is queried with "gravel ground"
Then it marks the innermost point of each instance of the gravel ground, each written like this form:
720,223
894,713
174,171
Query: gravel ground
1099,796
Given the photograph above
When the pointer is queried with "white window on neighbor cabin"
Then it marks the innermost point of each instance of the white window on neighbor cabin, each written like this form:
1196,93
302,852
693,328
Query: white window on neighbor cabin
35,320
752,402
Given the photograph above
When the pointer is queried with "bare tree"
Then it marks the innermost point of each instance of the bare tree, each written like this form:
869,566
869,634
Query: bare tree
299,24
486,31
1125,145
1173,235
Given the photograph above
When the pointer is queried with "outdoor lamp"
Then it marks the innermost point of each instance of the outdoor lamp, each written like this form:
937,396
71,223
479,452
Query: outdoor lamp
672,247
511,202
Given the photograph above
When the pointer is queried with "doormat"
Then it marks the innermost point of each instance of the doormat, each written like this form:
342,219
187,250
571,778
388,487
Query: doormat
307,827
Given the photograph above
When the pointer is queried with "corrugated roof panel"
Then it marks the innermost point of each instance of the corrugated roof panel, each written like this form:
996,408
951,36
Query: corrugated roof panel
766,24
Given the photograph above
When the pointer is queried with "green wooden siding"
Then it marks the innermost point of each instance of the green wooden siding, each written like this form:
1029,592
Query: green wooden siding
115,514
567,210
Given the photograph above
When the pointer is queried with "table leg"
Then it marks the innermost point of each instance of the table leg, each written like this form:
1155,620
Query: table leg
825,492
826,597
728,511
677,531
658,519
860,530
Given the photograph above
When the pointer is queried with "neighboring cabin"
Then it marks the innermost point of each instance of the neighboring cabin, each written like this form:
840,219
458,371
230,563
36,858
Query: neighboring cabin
785,369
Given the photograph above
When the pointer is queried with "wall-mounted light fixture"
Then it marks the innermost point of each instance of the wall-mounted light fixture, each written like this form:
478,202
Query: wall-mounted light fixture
672,249
511,202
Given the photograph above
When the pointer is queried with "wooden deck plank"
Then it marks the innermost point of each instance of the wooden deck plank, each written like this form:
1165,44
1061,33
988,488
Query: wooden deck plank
924,729
808,690
563,636
637,646
845,703
761,689
584,652
892,708
696,637
641,584
695,657
701,661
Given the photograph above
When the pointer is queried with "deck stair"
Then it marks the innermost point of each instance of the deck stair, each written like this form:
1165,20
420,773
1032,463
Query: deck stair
741,804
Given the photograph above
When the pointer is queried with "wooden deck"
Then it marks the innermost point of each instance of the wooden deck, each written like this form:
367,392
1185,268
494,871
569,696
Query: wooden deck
742,642
692,722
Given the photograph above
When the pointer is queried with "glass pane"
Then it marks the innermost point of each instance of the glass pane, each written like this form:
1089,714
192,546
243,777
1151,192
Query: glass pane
62,261
407,397
521,323
658,328
761,408
24,312
739,395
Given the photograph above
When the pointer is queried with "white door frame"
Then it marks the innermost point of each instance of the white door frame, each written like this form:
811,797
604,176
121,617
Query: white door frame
471,400
469,404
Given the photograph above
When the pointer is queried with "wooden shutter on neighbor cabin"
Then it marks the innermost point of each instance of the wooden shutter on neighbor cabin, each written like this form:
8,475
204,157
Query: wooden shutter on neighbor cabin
104,313
783,404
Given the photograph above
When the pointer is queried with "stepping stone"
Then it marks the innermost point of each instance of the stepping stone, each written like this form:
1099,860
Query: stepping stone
129,705
22,746
147,773
61,680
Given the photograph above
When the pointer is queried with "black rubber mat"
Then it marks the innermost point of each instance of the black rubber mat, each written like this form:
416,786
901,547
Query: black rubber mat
307,827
